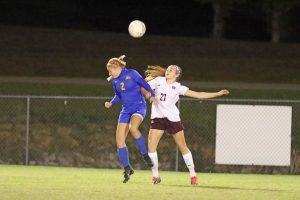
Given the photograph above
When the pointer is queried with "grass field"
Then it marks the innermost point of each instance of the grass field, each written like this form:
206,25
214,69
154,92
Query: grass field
57,183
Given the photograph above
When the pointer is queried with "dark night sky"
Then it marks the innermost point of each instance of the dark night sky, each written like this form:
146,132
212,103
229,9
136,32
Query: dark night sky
164,17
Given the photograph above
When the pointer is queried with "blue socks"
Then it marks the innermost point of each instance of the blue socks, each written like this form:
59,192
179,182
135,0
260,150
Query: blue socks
123,152
123,156
141,145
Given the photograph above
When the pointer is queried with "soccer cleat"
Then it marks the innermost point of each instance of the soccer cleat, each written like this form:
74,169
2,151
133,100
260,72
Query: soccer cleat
128,171
156,180
148,161
194,180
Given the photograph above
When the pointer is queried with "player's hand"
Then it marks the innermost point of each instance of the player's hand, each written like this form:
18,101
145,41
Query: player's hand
147,95
223,92
107,105
153,100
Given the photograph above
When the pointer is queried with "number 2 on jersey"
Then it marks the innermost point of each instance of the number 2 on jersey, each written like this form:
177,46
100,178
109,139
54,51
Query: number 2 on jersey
122,85
162,97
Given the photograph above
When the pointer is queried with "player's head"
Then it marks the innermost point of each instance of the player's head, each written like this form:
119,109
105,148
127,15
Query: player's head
154,71
114,67
173,72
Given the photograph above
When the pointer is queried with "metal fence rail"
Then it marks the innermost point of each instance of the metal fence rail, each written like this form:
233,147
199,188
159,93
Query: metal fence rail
79,131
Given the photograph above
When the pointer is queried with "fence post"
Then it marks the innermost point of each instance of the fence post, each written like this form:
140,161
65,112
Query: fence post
27,131
176,164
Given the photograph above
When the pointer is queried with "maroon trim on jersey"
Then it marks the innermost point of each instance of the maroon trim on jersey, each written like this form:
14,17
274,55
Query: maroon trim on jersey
166,125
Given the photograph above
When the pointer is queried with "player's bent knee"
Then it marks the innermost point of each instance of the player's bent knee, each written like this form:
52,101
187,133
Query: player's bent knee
134,130
120,143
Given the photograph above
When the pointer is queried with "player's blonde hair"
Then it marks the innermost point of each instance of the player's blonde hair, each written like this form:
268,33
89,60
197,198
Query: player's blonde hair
116,62
154,71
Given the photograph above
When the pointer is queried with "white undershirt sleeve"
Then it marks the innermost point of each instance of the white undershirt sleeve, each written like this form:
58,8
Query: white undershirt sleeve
183,89
153,83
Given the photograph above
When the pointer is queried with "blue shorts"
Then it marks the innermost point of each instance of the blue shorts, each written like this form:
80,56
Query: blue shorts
126,114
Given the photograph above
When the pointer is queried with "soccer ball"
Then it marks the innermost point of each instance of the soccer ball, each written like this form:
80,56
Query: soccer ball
137,28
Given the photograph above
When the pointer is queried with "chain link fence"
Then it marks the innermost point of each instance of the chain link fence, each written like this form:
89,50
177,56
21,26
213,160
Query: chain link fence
79,131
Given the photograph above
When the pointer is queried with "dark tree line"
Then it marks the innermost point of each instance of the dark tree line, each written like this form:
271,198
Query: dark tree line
275,11
274,20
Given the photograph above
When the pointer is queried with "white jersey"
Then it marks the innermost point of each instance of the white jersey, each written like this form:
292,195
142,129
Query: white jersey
168,95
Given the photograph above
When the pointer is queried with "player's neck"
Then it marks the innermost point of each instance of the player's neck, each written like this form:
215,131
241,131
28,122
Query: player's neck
170,80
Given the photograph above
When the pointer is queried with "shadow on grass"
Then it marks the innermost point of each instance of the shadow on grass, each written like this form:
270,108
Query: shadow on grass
229,188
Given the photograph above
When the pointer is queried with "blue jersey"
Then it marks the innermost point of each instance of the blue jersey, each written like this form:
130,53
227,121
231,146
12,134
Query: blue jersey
127,88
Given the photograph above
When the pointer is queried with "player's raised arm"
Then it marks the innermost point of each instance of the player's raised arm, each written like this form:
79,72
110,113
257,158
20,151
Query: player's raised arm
146,94
205,95
141,82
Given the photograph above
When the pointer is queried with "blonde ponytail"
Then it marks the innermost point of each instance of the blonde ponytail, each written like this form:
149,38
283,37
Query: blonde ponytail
109,78
154,71
118,61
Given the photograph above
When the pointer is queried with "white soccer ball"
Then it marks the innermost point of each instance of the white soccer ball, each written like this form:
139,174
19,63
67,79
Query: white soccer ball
137,28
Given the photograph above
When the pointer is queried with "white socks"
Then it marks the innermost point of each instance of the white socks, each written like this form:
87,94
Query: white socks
188,159
154,159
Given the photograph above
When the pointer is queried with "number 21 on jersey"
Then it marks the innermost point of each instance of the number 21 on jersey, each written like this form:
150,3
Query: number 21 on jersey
163,97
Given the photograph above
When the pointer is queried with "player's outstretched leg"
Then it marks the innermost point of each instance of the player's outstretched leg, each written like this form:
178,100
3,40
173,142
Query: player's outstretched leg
128,171
187,155
155,178
188,159
135,122
124,158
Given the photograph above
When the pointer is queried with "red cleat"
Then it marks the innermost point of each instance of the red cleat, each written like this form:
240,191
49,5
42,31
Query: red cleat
156,180
194,180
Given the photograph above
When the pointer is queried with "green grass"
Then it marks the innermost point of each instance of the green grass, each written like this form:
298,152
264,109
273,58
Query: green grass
55,183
